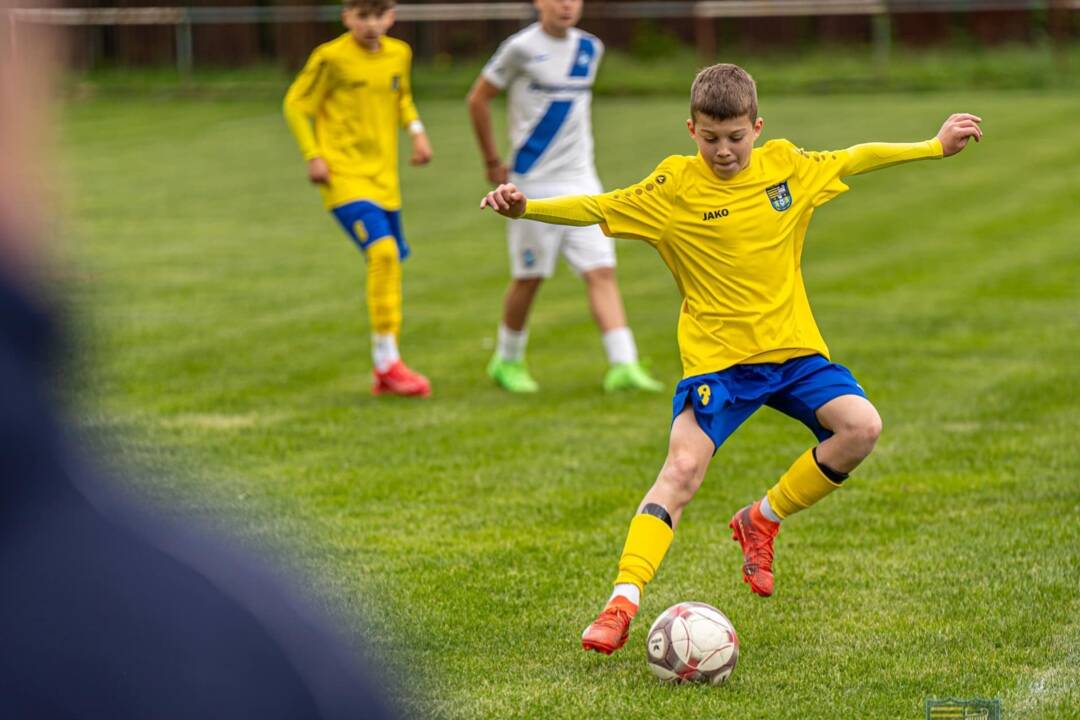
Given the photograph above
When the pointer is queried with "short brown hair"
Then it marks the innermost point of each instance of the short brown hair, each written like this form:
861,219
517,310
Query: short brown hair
372,7
723,92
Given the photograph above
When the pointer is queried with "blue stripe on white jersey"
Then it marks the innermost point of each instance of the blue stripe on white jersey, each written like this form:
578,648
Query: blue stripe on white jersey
586,51
549,86
542,135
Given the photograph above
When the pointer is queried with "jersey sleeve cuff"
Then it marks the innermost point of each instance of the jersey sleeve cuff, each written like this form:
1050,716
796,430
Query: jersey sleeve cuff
491,78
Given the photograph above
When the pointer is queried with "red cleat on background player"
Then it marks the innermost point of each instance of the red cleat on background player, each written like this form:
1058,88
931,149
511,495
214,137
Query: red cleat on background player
399,379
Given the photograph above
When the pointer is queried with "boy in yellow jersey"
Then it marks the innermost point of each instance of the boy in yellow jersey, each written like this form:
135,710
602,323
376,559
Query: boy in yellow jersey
345,109
730,223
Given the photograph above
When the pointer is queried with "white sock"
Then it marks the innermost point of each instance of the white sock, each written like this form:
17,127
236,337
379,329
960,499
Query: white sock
630,591
620,346
767,511
512,343
384,351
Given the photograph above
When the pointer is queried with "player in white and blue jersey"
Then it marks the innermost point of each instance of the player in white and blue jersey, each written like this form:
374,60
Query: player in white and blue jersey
548,70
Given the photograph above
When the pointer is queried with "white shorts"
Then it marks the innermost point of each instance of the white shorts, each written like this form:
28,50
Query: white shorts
535,246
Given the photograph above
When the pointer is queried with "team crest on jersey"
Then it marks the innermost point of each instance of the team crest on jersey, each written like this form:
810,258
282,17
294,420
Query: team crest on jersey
779,196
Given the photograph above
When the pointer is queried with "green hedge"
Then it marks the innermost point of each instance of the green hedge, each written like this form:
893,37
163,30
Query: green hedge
835,70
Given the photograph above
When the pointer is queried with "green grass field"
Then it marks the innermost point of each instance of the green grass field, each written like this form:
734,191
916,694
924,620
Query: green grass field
475,535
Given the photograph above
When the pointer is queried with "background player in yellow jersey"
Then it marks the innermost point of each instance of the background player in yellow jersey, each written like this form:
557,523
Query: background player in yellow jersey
345,108
730,222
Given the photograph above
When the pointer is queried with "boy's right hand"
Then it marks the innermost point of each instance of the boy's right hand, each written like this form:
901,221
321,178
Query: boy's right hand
318,171
506,200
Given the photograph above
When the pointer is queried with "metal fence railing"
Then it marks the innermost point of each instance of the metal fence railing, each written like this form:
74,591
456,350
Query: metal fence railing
704,12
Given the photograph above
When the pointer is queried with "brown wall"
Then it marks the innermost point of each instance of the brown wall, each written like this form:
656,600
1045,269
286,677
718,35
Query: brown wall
238,45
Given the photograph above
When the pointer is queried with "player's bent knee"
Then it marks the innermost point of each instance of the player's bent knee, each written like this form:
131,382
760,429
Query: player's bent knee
682,474
869,426
873,428
862,434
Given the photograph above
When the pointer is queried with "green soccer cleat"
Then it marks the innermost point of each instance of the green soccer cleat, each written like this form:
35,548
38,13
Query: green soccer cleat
631,376
511,375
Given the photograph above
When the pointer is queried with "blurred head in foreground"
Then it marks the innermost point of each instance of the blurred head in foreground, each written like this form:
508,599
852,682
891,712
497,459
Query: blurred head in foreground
106,611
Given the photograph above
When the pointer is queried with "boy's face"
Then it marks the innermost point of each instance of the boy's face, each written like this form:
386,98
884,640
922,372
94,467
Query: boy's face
725,144
559,14
366,27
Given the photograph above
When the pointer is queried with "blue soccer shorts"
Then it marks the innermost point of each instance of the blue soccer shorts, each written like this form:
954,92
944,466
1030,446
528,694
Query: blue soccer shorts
798,388
365,222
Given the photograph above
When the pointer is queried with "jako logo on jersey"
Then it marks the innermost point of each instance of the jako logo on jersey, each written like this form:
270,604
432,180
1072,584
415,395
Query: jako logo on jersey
661,179
779,196
395,83
715,214
705,393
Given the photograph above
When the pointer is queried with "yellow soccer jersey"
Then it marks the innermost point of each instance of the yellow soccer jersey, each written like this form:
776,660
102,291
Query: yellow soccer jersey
734,246
358,100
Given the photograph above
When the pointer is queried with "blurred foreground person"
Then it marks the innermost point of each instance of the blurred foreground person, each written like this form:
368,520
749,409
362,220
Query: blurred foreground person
105,612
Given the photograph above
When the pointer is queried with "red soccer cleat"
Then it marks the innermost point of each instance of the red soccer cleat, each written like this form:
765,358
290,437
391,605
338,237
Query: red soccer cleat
609,631
400,380
755,533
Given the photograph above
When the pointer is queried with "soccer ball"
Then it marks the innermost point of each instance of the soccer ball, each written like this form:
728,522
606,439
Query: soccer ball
692,642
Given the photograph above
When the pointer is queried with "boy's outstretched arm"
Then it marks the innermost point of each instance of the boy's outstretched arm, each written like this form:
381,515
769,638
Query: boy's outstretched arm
579,210
951,139
300,105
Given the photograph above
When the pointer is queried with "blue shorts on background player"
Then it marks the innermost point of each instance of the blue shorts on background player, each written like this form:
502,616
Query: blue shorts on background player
365,222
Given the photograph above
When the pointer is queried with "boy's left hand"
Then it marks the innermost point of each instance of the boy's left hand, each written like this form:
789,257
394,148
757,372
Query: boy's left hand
956,132
421,149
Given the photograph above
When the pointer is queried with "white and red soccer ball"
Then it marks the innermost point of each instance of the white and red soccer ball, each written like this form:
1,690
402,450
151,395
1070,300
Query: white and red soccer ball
692,642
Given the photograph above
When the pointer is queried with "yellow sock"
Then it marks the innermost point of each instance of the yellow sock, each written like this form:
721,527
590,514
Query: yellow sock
800,487
646,544
384,286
